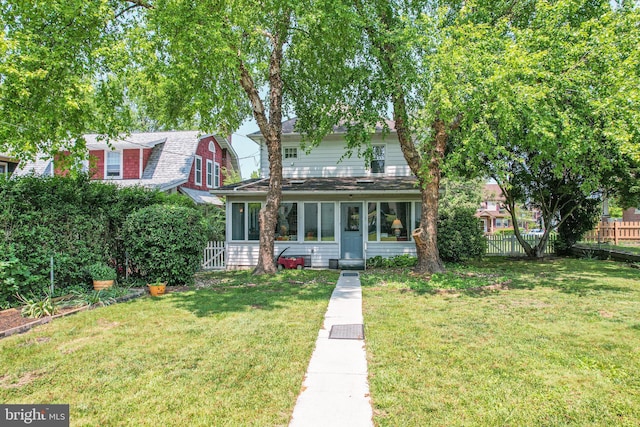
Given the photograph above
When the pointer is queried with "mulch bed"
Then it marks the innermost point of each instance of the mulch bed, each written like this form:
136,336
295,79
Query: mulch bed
12,322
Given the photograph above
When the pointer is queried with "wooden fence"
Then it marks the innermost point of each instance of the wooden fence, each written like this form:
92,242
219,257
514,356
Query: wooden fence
614,232
509,245
214,256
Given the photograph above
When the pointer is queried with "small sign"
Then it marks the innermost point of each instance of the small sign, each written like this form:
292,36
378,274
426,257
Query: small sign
34,415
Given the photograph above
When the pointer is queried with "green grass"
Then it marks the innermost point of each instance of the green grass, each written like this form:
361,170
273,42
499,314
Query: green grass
233,354
560,347
630,247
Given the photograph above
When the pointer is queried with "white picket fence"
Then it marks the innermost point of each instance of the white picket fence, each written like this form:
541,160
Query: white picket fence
509,245
214,256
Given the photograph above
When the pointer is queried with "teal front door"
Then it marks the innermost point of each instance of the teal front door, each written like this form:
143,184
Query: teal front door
351,231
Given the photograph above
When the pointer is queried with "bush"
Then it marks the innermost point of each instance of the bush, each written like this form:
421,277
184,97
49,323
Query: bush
75,220
165,242
576,224
459,236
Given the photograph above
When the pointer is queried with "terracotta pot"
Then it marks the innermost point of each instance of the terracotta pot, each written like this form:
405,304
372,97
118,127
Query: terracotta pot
156,290
99,285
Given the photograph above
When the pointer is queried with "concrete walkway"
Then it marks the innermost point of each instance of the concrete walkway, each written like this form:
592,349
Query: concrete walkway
335,391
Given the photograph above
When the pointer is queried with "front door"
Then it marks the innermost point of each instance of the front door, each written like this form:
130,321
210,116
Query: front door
351,231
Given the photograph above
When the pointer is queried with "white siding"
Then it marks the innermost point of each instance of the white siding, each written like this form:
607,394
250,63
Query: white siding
324,160
242,254
387,250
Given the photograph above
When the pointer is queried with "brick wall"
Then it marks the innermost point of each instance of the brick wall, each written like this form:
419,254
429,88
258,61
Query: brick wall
131,163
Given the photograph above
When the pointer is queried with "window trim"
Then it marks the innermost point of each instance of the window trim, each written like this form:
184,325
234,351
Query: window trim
106,164
319,235
412,219
286,156
374,159
216,175
245,219
197,170
209,173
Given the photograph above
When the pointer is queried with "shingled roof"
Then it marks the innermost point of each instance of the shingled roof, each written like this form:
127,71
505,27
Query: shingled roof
289,128
378,185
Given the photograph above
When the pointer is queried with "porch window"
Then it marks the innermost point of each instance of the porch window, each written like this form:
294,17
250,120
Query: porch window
327,222
418,212
319,222
237,221
377,163
389,222
3,169
287,224
198,171
244,216
114,164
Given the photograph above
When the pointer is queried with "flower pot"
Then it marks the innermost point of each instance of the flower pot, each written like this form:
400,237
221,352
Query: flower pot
99,285
156,290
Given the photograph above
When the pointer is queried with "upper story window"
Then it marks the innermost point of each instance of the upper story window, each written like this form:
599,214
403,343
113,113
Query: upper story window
212,147
113,168
377,163
198,170
290,153
216,175
209,173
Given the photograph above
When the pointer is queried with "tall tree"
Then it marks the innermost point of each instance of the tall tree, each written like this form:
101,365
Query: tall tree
58,64
218,62
373,62
553,113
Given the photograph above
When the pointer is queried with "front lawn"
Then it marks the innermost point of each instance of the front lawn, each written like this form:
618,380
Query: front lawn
233,354
560,347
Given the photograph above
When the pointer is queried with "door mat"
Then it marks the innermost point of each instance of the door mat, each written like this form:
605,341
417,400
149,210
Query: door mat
347,332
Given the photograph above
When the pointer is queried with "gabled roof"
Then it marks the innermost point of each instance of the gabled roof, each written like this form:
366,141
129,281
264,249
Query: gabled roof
327,186
42,166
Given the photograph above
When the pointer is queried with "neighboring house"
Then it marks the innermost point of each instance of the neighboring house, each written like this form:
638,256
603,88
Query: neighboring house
631,214
334,211
494,216
181,161
7,165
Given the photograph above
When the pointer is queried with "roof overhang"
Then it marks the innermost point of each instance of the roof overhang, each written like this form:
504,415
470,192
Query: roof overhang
325,187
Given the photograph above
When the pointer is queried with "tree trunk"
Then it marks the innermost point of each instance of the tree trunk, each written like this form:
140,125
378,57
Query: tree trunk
271,129
269,212
428,254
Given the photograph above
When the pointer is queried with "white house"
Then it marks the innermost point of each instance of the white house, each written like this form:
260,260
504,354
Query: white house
333,211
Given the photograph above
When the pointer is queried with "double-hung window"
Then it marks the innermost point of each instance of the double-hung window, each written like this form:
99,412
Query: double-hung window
113,169
198,171
216,175
209,173
377,162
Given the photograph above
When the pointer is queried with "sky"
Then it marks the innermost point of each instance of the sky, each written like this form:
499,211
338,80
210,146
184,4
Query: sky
247,150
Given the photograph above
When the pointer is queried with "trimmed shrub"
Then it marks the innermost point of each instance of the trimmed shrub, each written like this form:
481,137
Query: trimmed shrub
165,242
577,224
76,221
460,236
